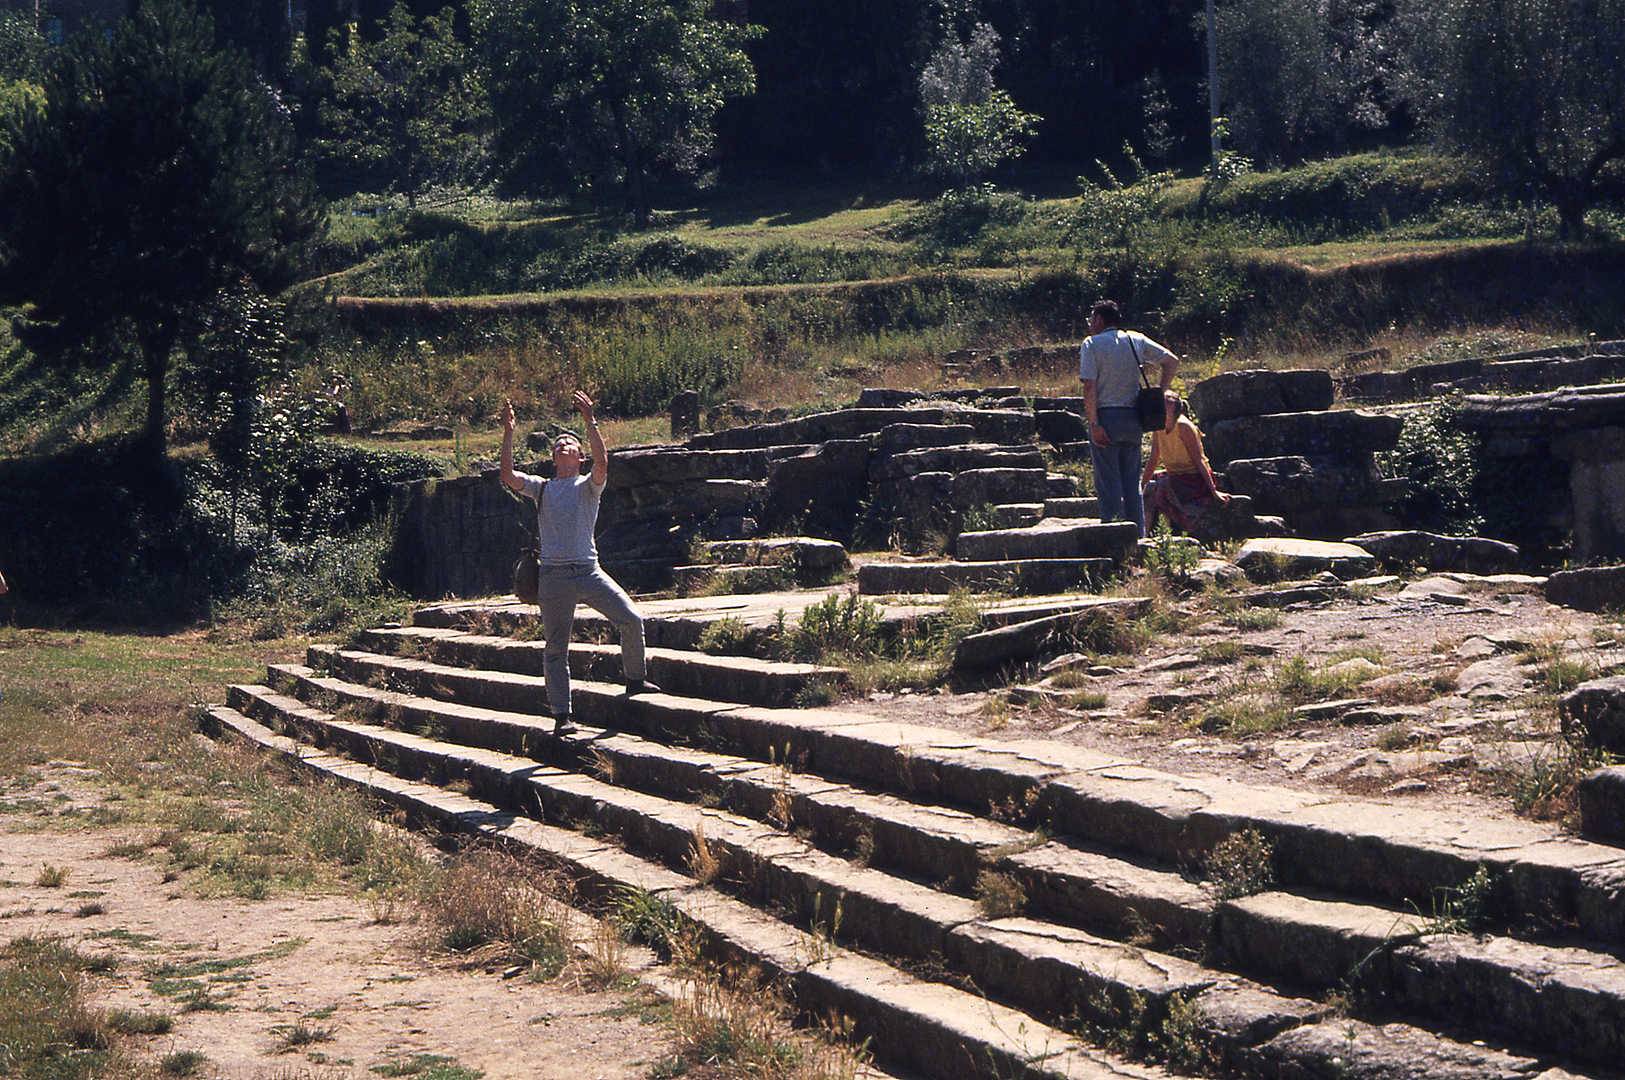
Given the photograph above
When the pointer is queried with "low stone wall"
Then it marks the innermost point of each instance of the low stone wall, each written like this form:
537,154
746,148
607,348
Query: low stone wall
1571,444
1273,436
1545,369
458,538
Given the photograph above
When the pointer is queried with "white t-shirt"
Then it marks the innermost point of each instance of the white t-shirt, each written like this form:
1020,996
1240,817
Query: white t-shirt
566,515
1108,359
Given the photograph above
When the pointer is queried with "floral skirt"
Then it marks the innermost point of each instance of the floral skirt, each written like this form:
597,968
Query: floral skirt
1181,497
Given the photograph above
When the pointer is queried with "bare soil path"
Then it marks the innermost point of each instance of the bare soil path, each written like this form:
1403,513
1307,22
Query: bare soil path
308,985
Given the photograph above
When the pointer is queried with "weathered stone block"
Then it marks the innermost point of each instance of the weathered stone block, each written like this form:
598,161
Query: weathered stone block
1601,795
1465,554
1594,712
1273,559
1259,392
881,397
685,414
1347,434
1597,491
1060,426
668,465
901,438
979,487
956,459
1282,485
1081,540
819,492
1009,427
1593,588
808,553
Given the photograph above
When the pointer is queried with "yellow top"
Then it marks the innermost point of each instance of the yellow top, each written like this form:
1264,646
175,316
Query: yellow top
1171,451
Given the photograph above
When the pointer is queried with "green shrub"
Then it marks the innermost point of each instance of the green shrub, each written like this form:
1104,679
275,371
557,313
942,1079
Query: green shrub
838,625
1240,865
1438,460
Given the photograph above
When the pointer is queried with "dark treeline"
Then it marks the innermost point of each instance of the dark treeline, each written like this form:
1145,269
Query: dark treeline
836,79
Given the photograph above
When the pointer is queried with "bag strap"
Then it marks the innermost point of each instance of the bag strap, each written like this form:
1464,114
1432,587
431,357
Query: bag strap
1137,365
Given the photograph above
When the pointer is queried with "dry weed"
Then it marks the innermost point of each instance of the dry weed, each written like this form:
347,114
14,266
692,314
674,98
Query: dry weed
739,1025
705,863
999,895
602,964
491,904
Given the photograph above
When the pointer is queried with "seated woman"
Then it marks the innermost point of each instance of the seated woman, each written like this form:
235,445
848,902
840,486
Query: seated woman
1184,489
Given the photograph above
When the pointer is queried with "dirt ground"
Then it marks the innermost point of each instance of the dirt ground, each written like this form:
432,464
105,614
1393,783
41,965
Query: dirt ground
296,968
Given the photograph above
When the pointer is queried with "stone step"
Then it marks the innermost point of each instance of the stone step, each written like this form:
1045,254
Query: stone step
1062,881
1048,972
718,678
1019,575
1394,854
1057,539
1075,507
927,842
1569,999
670,624
931,1029
1017,515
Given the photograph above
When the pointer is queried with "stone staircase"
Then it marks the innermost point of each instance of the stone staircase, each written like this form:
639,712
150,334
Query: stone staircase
976,907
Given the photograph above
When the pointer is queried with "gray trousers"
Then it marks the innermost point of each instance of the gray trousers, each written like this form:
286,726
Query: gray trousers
560,589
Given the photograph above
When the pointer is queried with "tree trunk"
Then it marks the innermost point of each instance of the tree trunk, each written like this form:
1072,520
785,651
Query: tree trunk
155,351
637,194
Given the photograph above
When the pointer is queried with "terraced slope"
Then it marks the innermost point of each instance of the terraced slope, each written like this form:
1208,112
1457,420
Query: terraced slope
980,908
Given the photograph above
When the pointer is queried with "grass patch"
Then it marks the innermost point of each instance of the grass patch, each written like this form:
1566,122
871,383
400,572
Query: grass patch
182,1063
52,877
1298,682
47,1029
136,1022
297,1036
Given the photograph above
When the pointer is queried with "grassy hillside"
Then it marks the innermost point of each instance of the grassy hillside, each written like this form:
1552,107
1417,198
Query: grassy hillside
802,296
427,319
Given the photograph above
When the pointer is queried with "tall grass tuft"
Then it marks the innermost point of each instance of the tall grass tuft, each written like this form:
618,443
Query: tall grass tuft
495,903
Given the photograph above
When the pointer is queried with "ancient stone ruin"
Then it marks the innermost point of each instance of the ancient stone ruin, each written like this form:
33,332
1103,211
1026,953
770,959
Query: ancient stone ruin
1024,905
971,473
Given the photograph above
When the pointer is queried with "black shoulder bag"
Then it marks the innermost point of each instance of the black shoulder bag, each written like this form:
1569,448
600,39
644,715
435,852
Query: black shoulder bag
1148,406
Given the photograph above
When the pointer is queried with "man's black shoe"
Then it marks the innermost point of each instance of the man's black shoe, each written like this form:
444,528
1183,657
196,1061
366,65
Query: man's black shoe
640,686
562,726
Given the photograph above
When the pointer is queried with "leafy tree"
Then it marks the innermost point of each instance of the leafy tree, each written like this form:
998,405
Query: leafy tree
971,125
155,171
22,62
1294,73
406,111
22,49
621,87
1530,88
